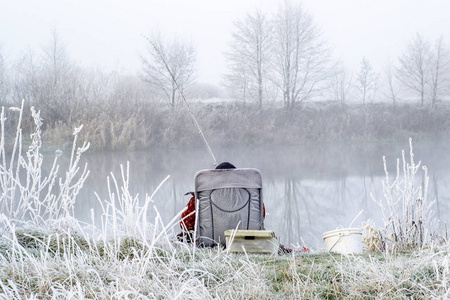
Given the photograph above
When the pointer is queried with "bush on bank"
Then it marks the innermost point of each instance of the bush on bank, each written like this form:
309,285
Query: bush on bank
230,124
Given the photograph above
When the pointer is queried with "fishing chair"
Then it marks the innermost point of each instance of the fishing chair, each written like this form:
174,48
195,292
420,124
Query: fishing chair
227,199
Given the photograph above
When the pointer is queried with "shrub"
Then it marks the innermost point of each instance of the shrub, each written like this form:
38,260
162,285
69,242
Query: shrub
28,195
408,218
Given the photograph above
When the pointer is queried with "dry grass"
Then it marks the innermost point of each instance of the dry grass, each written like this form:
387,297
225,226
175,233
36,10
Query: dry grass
54,264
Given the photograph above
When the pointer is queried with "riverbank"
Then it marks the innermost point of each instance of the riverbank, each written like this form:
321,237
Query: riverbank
45,264
228,123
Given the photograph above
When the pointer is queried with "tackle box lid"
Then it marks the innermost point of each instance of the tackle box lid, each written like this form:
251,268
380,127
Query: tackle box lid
246,233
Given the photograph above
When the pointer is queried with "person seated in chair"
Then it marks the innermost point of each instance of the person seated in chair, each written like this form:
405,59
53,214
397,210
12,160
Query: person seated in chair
187,219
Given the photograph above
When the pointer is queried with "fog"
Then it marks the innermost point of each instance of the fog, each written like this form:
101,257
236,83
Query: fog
318,136
108,34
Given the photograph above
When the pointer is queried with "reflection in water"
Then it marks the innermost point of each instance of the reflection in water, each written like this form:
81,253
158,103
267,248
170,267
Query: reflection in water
307,190
307,208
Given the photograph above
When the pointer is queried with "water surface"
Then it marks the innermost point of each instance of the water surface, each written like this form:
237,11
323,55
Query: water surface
307,189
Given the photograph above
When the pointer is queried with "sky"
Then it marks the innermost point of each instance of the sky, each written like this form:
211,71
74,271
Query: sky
107,34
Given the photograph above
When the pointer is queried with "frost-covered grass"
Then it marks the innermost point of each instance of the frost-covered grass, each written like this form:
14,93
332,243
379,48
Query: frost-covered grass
63,264
46,253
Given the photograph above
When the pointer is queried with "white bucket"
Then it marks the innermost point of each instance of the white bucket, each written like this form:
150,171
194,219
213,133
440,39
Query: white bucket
344,241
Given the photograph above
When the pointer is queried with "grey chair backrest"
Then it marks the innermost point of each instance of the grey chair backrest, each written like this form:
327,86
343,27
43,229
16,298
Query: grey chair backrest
227,199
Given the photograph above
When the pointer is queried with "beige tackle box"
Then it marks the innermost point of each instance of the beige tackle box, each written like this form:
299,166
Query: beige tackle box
252,241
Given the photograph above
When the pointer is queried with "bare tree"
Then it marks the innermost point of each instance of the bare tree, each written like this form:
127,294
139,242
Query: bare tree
248,59
300,54
50,81
168,66
56,59
367,81
59,86
390,79
342,84
441,70
415,65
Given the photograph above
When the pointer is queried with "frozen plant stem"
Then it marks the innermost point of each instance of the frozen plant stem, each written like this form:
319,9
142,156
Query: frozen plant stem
27,196
408,218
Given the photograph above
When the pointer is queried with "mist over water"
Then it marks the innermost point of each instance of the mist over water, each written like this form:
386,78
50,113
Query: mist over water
307,190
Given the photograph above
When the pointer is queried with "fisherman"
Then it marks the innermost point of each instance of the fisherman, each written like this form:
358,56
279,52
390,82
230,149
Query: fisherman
187,220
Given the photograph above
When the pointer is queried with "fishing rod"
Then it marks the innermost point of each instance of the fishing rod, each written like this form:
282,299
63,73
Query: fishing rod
200,131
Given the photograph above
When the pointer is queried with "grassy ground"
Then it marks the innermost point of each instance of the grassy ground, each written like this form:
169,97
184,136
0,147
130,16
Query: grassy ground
42,264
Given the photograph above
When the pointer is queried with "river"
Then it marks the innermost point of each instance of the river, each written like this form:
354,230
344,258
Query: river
307,189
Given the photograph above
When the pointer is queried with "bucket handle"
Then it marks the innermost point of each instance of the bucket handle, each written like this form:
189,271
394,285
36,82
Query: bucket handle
341,234
335,243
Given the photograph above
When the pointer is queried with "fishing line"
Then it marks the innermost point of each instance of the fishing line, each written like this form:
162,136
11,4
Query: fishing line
184,99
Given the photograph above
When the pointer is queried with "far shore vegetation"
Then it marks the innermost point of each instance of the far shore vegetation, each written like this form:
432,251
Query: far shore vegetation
228,124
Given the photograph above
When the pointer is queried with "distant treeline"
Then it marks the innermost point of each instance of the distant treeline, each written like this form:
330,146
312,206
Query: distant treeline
128,118
124,111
